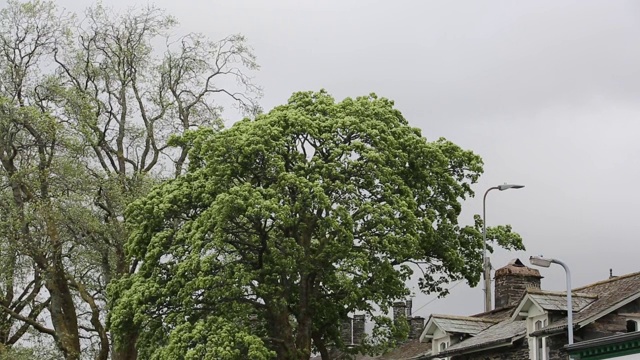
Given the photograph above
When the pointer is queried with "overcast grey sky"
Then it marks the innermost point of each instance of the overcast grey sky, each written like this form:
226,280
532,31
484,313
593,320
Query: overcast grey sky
545,91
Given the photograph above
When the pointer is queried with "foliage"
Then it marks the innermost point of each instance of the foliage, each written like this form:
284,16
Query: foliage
284,225
87,108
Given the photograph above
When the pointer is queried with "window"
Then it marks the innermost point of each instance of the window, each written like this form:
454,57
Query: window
441,345
632,325
541,350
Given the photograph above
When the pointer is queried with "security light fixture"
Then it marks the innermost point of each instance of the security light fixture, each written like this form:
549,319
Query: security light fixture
509,186
540,261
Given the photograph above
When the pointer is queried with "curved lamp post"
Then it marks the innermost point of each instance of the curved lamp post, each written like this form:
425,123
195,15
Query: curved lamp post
544,262
486,265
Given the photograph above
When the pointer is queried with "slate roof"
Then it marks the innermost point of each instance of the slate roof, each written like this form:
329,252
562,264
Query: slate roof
462,324
557,301
505,332
610,294
496,314
413,349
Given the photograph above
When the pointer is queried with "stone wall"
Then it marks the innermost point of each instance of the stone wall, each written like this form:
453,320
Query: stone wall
519,352
610,324
607,325
556,347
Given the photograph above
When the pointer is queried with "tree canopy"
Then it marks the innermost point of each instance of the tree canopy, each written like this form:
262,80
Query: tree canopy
88,105
285,224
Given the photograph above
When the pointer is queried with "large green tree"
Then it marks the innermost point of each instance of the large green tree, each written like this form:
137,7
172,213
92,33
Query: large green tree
88,104
284,225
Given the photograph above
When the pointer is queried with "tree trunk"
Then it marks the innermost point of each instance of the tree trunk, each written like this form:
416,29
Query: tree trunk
322,347
125,351
63,315
62,307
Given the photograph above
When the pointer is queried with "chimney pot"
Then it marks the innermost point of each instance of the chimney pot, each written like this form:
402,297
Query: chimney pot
416,325
346,331
358,329
399,310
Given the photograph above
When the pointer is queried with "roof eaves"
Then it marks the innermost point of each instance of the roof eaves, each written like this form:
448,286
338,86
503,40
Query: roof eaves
430,322
483,346
552,330
609,309
523,301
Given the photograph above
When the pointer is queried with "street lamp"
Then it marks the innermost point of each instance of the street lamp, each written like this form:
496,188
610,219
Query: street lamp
544,262
486,265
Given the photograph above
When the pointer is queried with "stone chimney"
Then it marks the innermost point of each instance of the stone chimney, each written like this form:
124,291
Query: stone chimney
399,310
346,331
358,329
512,281
416,325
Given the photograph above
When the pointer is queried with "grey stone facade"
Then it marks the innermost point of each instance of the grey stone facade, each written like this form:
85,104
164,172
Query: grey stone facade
519,351
514,353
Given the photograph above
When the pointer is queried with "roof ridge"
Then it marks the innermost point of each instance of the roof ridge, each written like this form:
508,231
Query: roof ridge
560,293
615,278
462,317
503,308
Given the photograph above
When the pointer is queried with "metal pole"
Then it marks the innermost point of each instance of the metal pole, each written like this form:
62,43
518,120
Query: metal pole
486,265
569,302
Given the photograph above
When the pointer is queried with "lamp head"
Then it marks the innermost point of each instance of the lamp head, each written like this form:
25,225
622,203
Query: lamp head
509,186
540,261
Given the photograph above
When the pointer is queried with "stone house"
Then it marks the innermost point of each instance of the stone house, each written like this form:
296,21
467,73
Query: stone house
530,323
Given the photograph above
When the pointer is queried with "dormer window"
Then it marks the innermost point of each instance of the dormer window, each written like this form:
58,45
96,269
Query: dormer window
632,325
443,346
538,345
541,349
440,345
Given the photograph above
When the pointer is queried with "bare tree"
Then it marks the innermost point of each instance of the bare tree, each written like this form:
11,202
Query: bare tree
92,114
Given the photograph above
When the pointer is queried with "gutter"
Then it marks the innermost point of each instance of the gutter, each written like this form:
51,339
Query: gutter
607,340
553,331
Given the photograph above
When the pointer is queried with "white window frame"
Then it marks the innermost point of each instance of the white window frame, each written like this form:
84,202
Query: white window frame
437,343
543,320
637,321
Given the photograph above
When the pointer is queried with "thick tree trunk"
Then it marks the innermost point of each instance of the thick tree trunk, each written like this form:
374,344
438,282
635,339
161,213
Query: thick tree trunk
125,351
62,307
280,330
303,336
63,315
322,347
